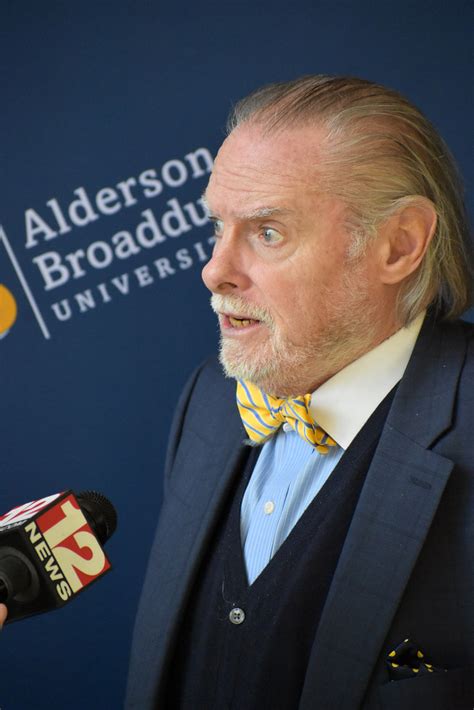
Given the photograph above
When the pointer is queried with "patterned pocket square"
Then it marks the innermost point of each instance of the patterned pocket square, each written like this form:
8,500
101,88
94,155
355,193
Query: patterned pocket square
408,661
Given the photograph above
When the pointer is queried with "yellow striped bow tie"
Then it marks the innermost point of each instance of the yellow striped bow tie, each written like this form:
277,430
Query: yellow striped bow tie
262,415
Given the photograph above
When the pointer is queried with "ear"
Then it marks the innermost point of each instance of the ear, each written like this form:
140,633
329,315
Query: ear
404,239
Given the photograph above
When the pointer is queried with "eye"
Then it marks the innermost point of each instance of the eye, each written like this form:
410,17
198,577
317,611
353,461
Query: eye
218,226
270,236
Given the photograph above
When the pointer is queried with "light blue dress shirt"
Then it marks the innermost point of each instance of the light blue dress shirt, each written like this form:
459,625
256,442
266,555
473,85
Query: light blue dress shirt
288,474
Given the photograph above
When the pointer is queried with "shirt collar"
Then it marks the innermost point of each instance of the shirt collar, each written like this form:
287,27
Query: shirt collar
343,404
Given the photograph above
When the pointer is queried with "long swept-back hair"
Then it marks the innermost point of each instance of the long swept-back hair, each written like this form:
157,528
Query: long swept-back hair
379,153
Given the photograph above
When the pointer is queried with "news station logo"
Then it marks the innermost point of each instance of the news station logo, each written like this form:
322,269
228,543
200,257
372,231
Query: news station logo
68,548
8,310
64,542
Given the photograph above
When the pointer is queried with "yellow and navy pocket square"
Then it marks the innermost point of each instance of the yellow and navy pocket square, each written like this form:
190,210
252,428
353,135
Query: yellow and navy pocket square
407,660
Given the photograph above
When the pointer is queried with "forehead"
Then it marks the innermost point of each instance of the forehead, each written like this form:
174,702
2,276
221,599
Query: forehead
254,170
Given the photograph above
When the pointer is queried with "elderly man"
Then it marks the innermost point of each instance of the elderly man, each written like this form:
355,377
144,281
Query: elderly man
313,549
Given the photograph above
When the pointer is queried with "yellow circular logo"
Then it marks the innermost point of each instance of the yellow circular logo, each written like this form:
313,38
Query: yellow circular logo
8,310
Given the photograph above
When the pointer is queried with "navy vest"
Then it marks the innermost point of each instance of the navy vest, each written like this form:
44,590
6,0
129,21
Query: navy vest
244,647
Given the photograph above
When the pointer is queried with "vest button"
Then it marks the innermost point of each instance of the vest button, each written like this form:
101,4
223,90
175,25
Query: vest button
237,615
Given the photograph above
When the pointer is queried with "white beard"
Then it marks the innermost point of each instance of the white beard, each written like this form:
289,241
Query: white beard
285,369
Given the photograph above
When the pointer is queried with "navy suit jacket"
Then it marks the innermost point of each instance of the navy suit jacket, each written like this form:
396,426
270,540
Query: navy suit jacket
407,565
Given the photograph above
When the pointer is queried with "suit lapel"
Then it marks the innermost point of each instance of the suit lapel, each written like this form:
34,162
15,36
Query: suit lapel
203,474
401,494
393,515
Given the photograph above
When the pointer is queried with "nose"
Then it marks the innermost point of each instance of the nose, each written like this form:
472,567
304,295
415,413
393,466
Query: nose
224,272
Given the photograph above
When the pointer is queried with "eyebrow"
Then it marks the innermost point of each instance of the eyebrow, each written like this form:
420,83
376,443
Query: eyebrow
259,213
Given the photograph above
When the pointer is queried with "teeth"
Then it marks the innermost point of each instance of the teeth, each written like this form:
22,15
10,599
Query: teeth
240,322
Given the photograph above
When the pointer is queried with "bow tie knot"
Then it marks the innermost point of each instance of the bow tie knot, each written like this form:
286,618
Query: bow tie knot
262,415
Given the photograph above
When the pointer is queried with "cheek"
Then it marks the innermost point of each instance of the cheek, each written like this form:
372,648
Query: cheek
296,292
280,292
297,307
309,300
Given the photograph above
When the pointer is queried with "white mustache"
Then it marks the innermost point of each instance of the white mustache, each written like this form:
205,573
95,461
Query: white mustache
235,304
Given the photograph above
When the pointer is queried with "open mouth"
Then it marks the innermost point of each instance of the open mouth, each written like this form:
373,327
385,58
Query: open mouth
236,322
241,322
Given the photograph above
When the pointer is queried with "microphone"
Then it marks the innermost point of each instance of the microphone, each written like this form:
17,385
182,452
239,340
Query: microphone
51,550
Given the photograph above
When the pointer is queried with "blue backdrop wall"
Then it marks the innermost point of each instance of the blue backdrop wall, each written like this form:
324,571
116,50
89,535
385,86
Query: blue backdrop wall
110,115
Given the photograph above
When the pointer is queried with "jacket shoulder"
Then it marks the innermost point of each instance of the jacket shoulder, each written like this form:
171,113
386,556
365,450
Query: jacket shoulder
206,406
